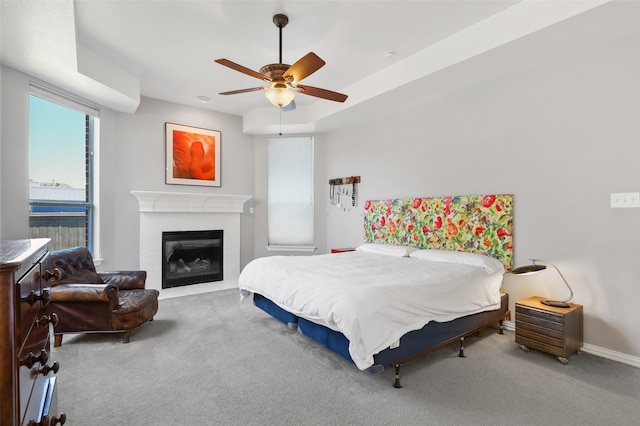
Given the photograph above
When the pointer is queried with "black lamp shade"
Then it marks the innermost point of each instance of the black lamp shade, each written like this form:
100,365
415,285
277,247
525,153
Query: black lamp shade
528,269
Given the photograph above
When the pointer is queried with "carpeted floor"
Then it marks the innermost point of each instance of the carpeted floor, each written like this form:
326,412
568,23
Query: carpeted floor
208,360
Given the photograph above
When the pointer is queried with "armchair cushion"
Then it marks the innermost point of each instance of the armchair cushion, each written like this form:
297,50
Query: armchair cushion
125,280
104,293
74,265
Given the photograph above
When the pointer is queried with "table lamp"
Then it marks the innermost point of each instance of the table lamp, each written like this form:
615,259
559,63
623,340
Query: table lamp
529,269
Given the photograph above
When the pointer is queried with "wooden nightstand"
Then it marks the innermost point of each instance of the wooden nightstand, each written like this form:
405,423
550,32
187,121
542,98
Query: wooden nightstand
557,331
342,250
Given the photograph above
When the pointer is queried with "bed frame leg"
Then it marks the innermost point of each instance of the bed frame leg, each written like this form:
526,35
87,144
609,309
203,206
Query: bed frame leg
461,354
501,331
397,366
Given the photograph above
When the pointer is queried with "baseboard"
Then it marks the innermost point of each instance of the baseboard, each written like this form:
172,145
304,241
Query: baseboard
633,361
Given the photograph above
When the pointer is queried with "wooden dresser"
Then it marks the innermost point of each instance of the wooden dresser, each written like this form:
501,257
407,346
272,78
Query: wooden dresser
27,374
557,331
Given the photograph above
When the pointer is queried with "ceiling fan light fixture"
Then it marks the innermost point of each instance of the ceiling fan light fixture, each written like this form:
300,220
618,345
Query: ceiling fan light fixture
280,96
283,79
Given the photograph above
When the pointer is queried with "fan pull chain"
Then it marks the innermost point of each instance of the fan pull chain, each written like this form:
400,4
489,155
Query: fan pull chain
280,134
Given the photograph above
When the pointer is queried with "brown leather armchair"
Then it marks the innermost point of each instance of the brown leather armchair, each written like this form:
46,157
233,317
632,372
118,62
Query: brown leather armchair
86,301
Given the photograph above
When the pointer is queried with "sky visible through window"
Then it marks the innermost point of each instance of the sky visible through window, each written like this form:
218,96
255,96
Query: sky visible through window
56,144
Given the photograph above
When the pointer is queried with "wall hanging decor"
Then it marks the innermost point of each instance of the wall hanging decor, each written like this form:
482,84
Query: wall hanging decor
193,155
343,192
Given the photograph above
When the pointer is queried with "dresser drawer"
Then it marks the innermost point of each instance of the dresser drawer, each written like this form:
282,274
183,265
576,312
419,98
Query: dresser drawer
30,301
43,403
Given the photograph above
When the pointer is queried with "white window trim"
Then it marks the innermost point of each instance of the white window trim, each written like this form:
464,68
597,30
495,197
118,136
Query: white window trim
307,248
71,102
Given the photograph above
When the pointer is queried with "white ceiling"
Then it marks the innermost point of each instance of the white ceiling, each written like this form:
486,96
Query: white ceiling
112,52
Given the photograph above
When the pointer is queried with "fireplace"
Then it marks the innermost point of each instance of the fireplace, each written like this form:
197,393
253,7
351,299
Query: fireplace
191,257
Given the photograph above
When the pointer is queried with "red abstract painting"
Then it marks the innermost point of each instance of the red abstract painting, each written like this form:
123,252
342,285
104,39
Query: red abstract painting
193,155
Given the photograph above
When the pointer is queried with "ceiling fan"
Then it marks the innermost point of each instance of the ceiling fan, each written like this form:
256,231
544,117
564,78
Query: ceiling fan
283,79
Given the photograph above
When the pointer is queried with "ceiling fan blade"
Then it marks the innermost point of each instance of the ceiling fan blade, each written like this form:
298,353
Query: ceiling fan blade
235,92
242,69
321,93
304,67
290,107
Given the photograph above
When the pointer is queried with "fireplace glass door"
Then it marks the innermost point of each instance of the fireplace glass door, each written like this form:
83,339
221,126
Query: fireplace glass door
191,257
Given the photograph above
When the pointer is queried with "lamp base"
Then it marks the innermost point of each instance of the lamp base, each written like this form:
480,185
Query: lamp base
556,303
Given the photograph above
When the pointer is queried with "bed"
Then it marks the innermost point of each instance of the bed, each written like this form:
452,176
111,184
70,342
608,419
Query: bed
429,273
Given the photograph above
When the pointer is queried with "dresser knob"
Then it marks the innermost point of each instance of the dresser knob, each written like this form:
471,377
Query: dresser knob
31,359
49,368
61,419
56,274
48,319
33,297
45,297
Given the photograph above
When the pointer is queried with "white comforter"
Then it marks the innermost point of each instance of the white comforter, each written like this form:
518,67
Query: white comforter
373,299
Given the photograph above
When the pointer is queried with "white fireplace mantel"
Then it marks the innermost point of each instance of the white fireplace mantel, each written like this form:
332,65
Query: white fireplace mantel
180,211
189,202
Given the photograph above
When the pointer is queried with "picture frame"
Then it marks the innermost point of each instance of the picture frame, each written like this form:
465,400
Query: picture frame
192,155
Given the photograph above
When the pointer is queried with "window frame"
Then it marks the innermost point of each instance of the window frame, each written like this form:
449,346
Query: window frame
92,118
311,247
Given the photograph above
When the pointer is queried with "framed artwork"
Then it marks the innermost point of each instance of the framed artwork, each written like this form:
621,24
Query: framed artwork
193,155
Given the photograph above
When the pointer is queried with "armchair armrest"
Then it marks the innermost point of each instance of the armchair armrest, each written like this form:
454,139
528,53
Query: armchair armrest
125,280
105,293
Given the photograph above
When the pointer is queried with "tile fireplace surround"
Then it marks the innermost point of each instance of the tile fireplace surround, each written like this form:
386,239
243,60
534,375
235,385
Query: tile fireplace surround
181,211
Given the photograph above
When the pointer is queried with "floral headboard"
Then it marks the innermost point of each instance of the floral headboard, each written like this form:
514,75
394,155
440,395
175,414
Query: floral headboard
480,224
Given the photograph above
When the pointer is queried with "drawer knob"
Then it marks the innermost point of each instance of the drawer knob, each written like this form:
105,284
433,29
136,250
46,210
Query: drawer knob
33,297
31,359
56,274
61,419
48,319
45,297
49,368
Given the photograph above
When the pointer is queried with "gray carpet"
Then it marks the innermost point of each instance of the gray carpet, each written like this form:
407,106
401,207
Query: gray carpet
209,360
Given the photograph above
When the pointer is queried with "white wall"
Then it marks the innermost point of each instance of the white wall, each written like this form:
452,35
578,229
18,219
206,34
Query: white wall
14,158
561,137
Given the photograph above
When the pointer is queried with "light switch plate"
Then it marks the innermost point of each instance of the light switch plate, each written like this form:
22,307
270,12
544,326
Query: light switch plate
625,200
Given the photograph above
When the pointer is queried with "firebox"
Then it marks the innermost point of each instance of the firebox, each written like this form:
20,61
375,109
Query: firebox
191,257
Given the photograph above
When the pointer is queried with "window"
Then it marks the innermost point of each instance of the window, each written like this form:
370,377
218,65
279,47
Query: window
61,186
290,193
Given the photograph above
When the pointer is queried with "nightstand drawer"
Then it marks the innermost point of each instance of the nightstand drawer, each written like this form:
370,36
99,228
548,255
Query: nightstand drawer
534,344
539,323
536,313
532,327
547,338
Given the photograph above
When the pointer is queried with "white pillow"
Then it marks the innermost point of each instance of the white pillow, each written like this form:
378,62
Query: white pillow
388,249
489,264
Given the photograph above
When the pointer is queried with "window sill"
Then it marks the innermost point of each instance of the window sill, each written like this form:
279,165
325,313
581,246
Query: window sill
292,248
